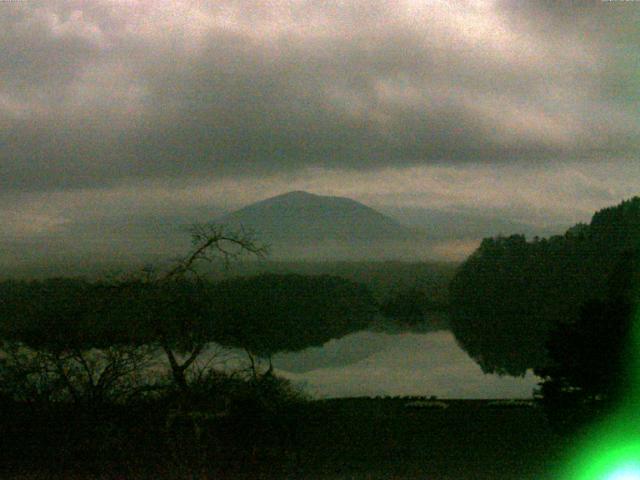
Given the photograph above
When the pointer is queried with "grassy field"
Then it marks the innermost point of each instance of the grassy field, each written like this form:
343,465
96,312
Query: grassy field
364,438
384,439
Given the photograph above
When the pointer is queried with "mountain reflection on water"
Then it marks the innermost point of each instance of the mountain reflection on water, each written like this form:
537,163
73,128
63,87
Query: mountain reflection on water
370,363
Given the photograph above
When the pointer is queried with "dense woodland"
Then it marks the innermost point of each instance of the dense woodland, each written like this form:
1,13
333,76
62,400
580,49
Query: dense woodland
86,365
592,361
511,292
121,373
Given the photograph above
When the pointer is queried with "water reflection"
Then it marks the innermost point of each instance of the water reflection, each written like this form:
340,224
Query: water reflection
378,363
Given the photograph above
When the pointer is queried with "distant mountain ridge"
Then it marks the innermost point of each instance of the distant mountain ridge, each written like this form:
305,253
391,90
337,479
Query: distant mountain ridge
298,222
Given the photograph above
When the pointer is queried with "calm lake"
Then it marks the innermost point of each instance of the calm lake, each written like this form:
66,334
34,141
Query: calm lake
375,363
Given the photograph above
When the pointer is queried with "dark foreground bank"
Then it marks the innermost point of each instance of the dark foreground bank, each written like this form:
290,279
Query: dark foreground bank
358,438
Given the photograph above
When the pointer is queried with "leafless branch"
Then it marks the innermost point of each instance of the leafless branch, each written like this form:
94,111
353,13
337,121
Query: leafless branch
216,242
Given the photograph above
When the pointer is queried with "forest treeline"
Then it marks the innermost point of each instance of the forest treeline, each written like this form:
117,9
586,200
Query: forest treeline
592,366
511,292
266,314
85,365
131,375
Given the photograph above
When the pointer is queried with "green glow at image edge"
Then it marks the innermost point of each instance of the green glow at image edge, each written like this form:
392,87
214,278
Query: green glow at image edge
612,450
609,461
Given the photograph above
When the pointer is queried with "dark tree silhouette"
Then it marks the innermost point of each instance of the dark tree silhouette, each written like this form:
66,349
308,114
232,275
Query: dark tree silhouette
510,293
69,319
57,344
591,358
410,305
272,313
173,309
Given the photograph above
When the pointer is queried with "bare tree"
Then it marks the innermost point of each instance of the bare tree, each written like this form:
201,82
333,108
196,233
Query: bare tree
86,376
214,242
211,242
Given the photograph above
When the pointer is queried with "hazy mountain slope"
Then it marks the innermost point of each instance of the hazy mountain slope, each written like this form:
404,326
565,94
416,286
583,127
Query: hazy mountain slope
303,225
303,216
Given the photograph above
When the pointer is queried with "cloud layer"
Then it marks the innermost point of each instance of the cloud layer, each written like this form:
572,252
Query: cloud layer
121,110
93,93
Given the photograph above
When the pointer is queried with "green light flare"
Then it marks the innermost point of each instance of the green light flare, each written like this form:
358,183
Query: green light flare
608,458
612,450
627,472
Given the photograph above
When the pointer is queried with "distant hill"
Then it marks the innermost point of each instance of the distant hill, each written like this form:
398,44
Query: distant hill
303,225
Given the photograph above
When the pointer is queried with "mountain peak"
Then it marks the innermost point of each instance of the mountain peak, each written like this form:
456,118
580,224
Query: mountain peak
293,195
305,220
297,193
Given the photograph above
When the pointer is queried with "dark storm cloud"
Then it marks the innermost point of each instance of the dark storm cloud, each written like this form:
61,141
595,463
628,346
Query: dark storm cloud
92,94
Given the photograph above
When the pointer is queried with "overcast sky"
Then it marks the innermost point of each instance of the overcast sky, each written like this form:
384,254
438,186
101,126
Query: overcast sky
120,110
